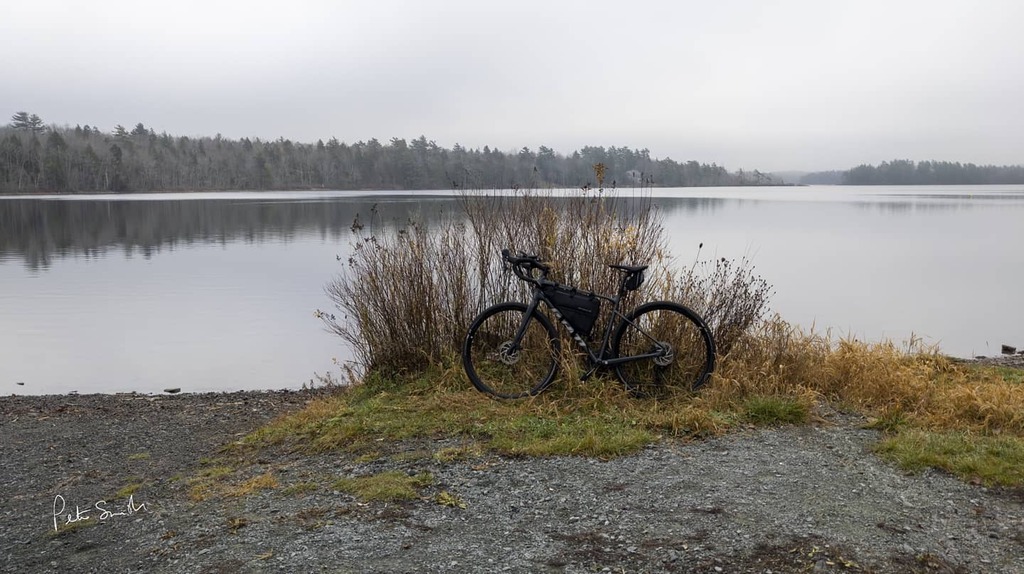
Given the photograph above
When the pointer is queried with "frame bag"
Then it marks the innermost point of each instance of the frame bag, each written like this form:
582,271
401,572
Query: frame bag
579,308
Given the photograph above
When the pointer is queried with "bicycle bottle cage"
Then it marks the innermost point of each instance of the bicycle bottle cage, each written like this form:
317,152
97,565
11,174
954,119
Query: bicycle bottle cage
579,308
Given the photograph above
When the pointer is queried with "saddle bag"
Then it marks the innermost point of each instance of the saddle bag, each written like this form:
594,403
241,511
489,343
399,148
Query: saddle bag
634,281
579,308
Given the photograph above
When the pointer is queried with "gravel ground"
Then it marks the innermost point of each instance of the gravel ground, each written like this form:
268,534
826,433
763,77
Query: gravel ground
792,499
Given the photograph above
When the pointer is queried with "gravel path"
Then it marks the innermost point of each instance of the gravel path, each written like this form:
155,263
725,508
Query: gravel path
792,499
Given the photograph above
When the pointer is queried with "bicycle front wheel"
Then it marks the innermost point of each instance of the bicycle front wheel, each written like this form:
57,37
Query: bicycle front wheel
499,365
683,343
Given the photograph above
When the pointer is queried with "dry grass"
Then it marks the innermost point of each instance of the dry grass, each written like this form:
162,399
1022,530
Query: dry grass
775,375
385,487
215,482
726,294
914,384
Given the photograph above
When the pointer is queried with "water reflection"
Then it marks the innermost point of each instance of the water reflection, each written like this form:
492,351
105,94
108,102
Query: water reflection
38,231
217,291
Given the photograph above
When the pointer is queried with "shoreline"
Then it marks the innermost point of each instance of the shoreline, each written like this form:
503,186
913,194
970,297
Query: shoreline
109,479
1015,361
790,498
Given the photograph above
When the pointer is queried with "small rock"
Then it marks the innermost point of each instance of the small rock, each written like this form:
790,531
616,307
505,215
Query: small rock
1008,350
20,383
173,391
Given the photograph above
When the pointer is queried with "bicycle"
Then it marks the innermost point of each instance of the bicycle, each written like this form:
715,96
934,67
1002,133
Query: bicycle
512,349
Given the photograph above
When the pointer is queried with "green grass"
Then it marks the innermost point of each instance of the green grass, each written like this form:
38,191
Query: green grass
300,488
129,489
898,393
63,528
775,410
385,487
458,453
358,419
991,460
1010,375
445,498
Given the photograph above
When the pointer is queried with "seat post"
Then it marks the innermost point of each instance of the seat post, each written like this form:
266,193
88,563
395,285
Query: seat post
622,285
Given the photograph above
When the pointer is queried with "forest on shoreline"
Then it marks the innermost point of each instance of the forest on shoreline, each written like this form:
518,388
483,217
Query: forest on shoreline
40,158
907,172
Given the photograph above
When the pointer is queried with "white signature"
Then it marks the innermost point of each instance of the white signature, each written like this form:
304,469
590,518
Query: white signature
60,505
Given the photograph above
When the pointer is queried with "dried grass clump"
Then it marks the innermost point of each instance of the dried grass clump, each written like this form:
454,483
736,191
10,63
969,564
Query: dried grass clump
907,383
727,295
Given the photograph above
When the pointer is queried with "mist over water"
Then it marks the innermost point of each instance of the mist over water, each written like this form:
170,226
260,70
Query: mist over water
217,291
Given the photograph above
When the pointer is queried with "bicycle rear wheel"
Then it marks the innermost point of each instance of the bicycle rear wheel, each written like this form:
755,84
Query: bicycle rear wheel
497,366
680,335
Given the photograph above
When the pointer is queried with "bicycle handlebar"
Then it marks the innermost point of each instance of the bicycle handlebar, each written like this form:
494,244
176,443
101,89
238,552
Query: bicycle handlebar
523,265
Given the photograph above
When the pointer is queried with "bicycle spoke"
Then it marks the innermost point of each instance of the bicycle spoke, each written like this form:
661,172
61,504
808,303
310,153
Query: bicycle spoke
499,365
685,352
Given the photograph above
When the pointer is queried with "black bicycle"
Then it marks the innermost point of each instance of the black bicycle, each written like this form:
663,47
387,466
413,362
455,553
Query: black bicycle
512,349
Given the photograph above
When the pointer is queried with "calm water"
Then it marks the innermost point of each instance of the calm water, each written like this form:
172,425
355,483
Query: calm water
217,291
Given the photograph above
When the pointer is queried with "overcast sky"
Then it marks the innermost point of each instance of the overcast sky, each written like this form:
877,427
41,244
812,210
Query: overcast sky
771,85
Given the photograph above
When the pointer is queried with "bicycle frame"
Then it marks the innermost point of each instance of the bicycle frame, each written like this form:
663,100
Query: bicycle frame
597,360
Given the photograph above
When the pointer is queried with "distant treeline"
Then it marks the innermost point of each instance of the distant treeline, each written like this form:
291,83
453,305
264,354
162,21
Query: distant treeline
35,157
906,172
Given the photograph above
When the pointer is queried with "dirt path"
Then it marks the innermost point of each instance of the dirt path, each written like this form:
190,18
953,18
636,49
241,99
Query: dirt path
810,498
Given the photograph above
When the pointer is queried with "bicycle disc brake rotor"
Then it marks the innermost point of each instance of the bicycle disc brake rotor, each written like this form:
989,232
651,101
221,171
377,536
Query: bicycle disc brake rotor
669,356
507,354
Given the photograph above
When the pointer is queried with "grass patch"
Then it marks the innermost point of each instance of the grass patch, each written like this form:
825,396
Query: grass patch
206,482
776,410
139,456
300,488
64,528
129,489
458,453
991,460
213,481
385,487
264,481
1009,374
597,419
928,389
445,498
773,376
888,421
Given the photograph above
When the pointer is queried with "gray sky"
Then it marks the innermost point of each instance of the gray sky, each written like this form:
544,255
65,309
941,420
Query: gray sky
798,84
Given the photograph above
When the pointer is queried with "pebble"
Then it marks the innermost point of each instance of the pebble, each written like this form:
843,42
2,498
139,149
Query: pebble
660,522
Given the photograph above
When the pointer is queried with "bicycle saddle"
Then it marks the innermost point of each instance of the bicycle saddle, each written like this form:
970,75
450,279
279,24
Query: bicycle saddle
629,268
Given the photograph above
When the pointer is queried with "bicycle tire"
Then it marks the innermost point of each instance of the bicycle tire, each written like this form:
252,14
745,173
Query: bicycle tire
494,368
691,346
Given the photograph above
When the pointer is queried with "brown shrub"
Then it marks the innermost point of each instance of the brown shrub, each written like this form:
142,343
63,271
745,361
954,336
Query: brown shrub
406,298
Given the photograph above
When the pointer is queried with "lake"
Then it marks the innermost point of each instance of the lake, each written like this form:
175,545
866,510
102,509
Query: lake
217,291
